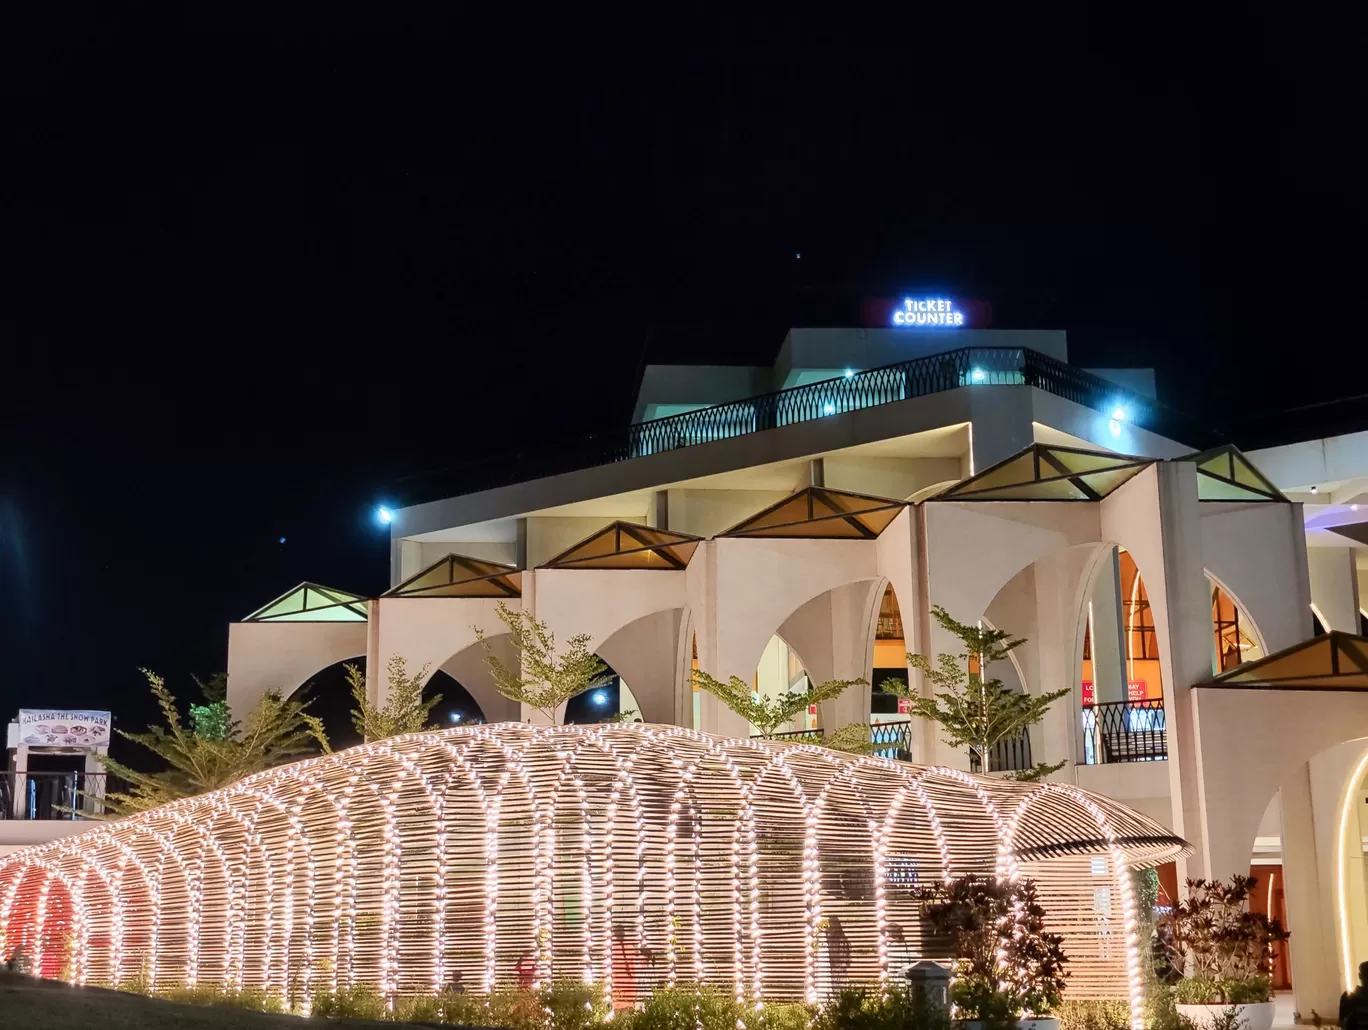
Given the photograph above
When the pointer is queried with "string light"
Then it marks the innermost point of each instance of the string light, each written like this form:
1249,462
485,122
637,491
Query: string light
407,863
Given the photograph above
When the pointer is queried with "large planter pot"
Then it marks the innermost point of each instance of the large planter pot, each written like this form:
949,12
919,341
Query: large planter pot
1024,1023
1252,1017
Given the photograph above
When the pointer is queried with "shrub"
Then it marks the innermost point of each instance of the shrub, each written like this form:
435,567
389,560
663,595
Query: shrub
686,1007
207,994
1223,991
873,1008
422,1009
574,1005
1005,962
1094,1015
1217,939
360,1002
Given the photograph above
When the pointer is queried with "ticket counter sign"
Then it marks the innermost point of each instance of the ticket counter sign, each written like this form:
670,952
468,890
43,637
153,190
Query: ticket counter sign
55,727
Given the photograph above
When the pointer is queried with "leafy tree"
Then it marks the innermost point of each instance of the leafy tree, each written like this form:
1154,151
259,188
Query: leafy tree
544,680
1005,962
975,712
404,710
214,752
853,739
767,714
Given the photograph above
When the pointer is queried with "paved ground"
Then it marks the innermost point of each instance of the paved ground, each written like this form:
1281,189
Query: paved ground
27,1003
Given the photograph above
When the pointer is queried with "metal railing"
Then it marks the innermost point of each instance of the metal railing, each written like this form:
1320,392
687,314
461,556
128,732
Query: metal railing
51,795
1124,731
920,377
796,736
1011,754
892,739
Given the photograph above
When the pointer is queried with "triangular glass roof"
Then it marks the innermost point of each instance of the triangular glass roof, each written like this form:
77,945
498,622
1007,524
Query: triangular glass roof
1043,472
817,513
1224,474
459,576
625,545
310,602
1336,661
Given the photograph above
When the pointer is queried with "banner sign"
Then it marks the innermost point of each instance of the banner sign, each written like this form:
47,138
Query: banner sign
1136,690
54,727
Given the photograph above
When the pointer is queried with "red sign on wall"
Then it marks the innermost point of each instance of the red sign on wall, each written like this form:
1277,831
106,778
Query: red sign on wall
1136,690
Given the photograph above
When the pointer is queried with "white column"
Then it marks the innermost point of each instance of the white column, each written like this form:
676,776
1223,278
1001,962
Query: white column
1334,586
714,717
1312,949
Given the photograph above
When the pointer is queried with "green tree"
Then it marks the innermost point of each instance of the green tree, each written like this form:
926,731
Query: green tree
975,712
767,714
544,680
215,751
404,710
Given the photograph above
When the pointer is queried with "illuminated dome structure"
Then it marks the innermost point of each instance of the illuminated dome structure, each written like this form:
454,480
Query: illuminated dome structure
493,855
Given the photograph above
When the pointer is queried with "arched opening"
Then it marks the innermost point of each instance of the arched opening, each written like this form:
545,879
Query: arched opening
329,699
1121,686
611,701
781,671
1235,638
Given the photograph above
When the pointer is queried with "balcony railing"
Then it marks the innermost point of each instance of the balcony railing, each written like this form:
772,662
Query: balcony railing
1124,731
892,739
1011,754
797,736
51,795
920,377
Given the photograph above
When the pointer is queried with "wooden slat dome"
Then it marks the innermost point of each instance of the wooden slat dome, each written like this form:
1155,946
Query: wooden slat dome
473,852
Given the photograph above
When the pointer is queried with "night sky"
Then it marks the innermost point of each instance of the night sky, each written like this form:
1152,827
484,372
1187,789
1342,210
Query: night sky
258,268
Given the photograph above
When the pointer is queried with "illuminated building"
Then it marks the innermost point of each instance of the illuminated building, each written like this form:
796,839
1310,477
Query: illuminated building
797,522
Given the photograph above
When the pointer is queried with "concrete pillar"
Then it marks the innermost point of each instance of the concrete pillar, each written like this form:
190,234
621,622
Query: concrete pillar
817,472
714,717
1334,586
1186,617
20,781
661,518
377,681
1312,950
1108,633
1058,589
520,544
1002,420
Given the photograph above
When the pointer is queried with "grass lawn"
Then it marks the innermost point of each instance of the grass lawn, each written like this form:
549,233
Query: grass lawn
27,1003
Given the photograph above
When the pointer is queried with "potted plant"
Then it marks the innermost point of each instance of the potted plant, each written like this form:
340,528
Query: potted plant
1224,953
1008,971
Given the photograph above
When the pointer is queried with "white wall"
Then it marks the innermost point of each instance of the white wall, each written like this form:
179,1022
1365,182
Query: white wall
439,632
1334,587
888,477
1273,589
708,512
283,656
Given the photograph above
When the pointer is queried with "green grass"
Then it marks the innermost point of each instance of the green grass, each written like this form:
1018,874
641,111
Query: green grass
27,1003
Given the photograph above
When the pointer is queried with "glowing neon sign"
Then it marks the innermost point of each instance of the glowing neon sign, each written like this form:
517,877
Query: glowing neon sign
927,311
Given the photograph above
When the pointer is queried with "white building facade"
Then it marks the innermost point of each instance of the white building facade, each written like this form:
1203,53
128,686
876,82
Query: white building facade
799,523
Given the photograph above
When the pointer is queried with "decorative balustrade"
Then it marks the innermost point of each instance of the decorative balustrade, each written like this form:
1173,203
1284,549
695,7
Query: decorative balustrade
1124,731
920,377
1011,754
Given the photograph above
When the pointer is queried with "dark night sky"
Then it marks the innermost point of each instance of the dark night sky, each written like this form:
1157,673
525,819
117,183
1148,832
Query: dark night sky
256,268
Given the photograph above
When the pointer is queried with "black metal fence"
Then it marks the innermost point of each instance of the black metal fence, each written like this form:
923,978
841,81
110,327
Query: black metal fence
1125,731
797,736
920,377
1011,754
892,739
51,795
